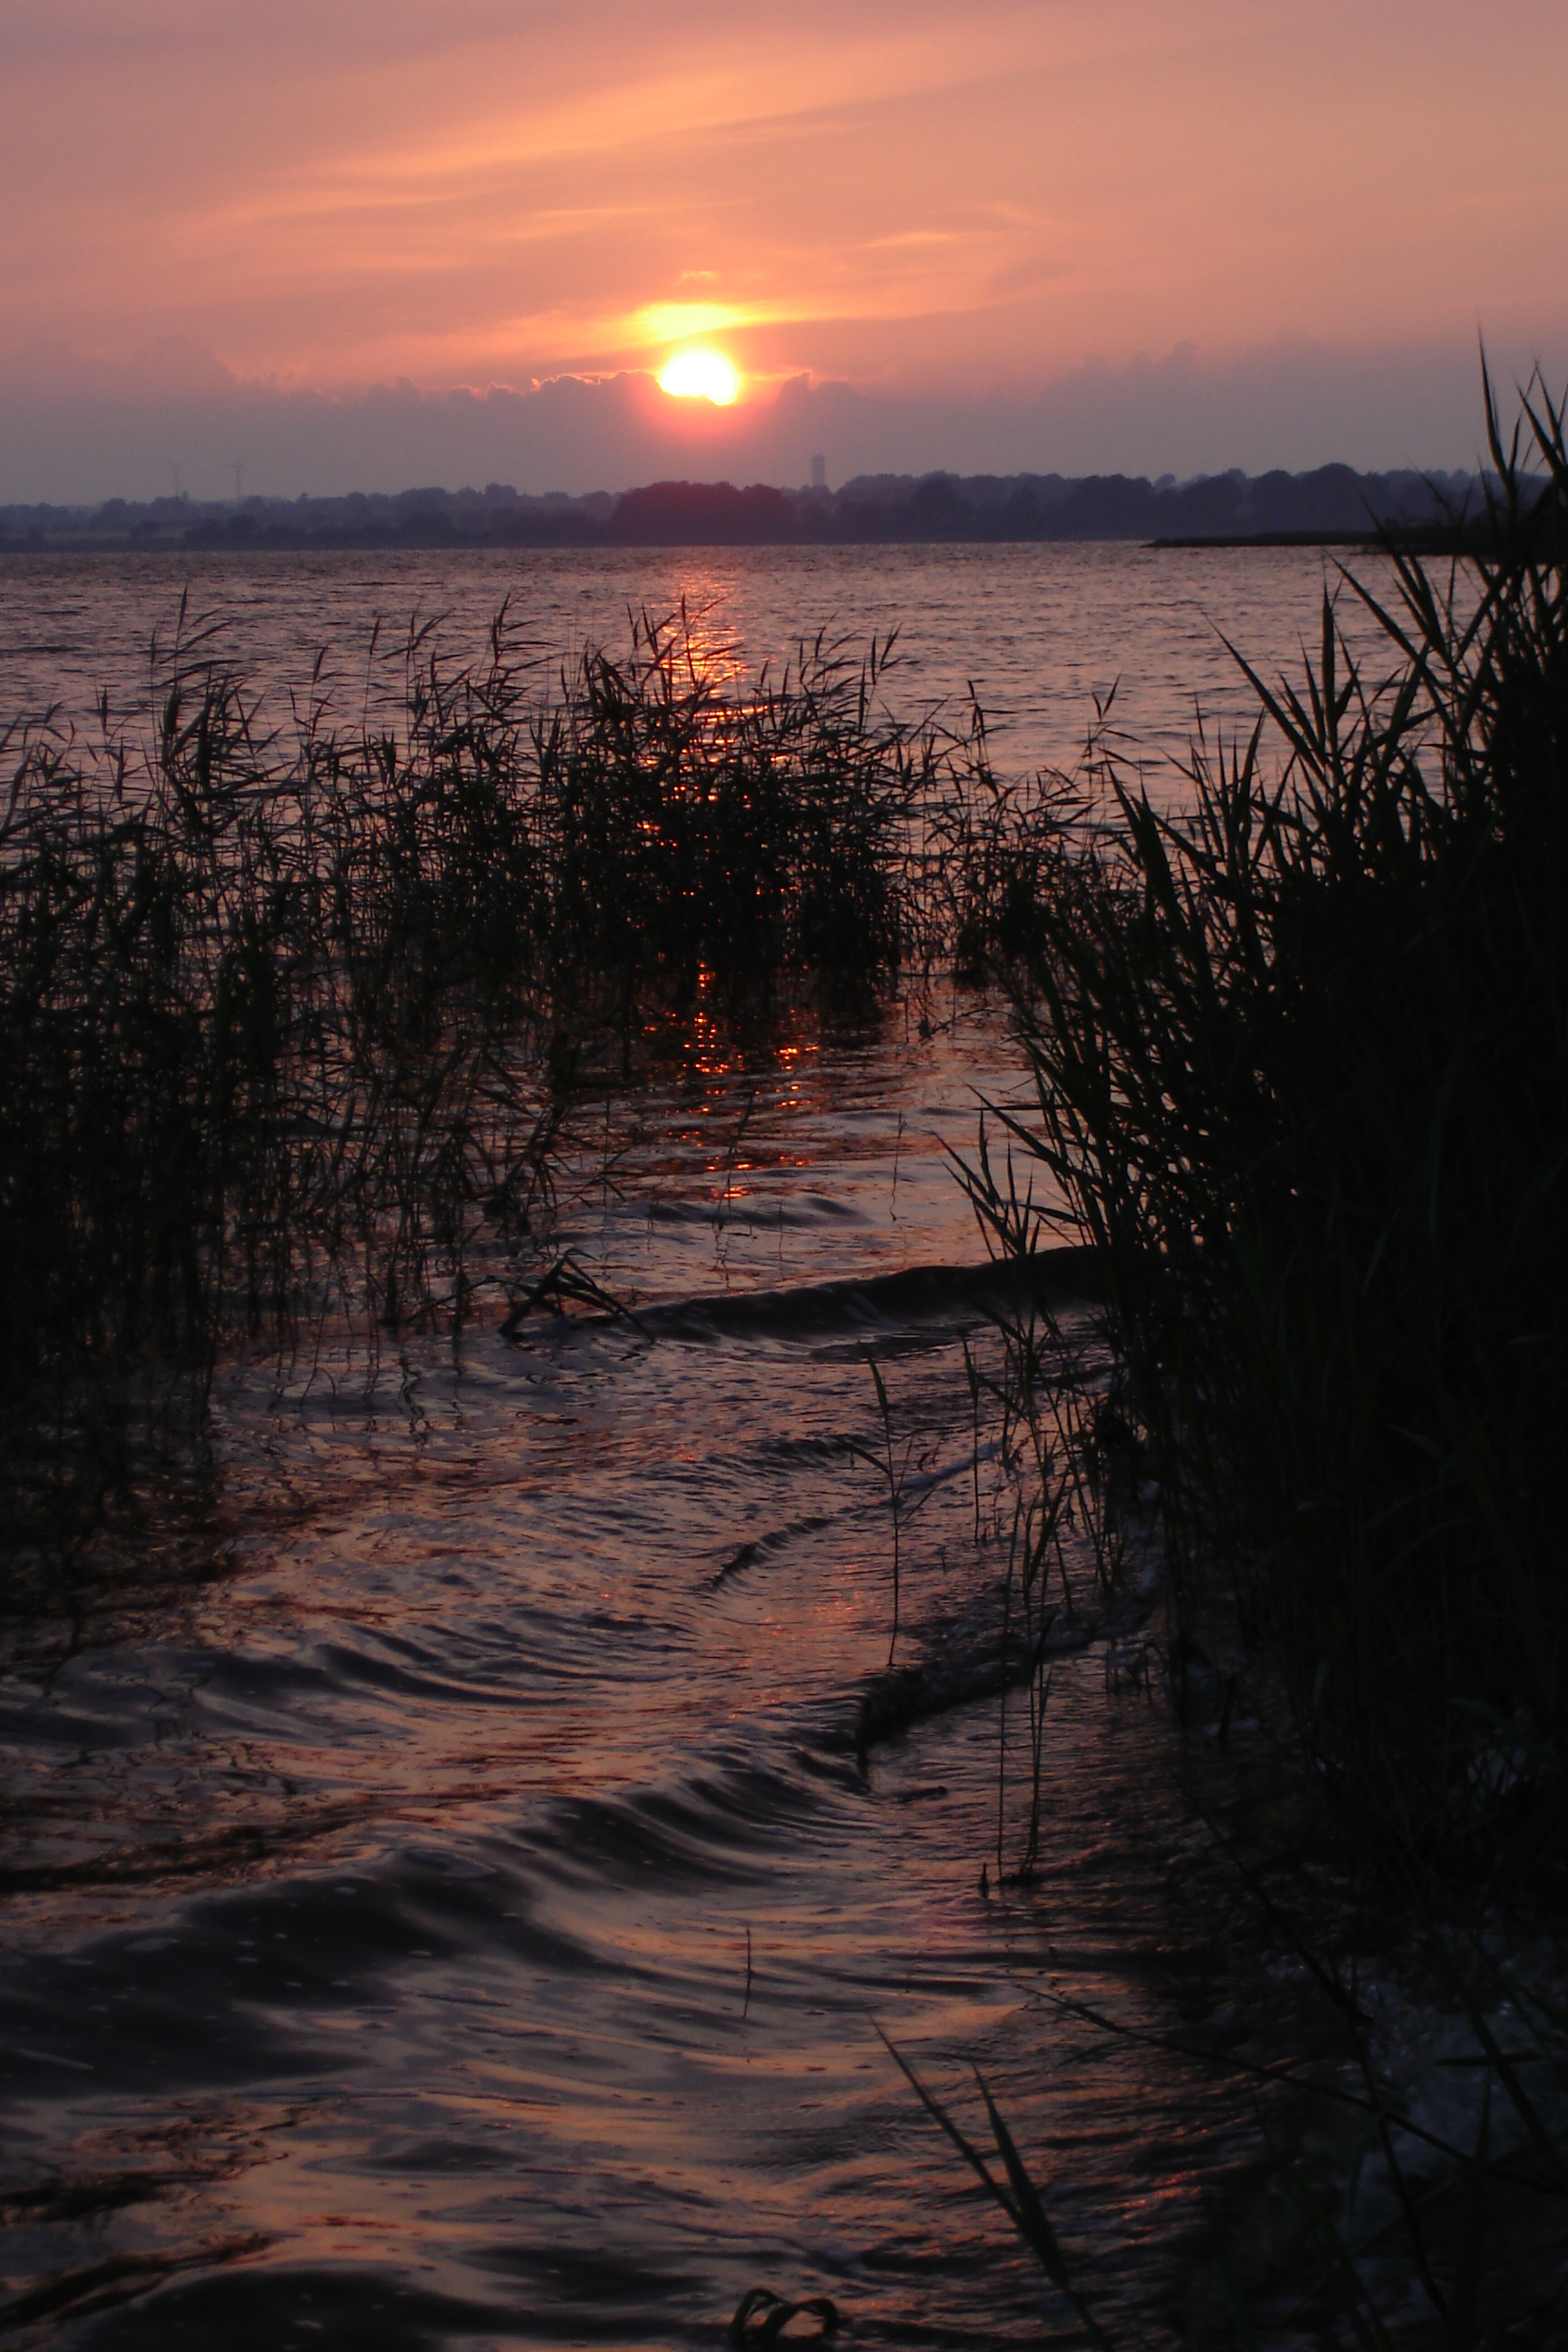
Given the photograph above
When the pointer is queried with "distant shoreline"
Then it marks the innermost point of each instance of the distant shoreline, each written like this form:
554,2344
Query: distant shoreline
1333,507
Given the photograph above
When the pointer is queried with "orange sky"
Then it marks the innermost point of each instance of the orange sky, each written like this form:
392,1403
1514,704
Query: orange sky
928,201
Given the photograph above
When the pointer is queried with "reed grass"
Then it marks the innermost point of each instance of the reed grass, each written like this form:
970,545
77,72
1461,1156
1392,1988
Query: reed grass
293,1020
1301,1063
1301,1055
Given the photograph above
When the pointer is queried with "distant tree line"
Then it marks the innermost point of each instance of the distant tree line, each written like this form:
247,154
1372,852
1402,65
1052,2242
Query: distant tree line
1332,503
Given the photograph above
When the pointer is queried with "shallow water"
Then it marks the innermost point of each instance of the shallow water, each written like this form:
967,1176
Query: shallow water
464,1918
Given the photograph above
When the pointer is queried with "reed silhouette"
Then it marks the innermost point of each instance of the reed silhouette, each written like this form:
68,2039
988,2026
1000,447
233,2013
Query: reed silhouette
1298,1058
292,1023
1298,1054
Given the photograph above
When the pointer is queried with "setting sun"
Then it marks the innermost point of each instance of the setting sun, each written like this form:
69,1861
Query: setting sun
701,375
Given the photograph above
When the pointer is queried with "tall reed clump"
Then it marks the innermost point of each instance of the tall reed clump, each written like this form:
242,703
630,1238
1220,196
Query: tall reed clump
747,835
290,1021
1302,1066
257,1050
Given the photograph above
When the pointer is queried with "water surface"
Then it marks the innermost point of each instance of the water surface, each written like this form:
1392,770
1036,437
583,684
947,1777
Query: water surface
1039,631
464,1917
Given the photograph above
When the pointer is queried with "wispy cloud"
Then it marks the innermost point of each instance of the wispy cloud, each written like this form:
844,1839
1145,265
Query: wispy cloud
328,192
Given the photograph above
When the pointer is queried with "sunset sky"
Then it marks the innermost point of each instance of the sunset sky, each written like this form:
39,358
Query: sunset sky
360,243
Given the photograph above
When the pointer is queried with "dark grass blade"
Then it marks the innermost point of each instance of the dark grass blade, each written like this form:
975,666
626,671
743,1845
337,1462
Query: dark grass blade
945,2123
1023,2205
1029,2214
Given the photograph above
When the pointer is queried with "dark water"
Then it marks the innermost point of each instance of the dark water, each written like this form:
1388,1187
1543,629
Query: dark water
465,1919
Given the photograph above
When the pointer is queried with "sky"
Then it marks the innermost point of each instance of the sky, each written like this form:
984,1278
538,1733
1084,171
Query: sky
327,245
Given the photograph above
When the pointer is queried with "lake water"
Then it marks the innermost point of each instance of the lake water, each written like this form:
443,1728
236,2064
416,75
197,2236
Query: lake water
1038,631
463,1916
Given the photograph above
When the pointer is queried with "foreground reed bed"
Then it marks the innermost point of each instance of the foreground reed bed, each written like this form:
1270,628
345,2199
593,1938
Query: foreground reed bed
293,1021
1300,1058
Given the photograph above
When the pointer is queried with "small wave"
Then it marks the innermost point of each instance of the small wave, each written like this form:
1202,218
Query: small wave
916,1294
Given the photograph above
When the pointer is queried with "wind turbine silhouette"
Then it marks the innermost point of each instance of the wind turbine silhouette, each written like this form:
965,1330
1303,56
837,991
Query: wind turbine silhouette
237,466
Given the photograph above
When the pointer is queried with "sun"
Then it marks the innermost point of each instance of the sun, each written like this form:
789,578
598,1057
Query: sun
701,375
